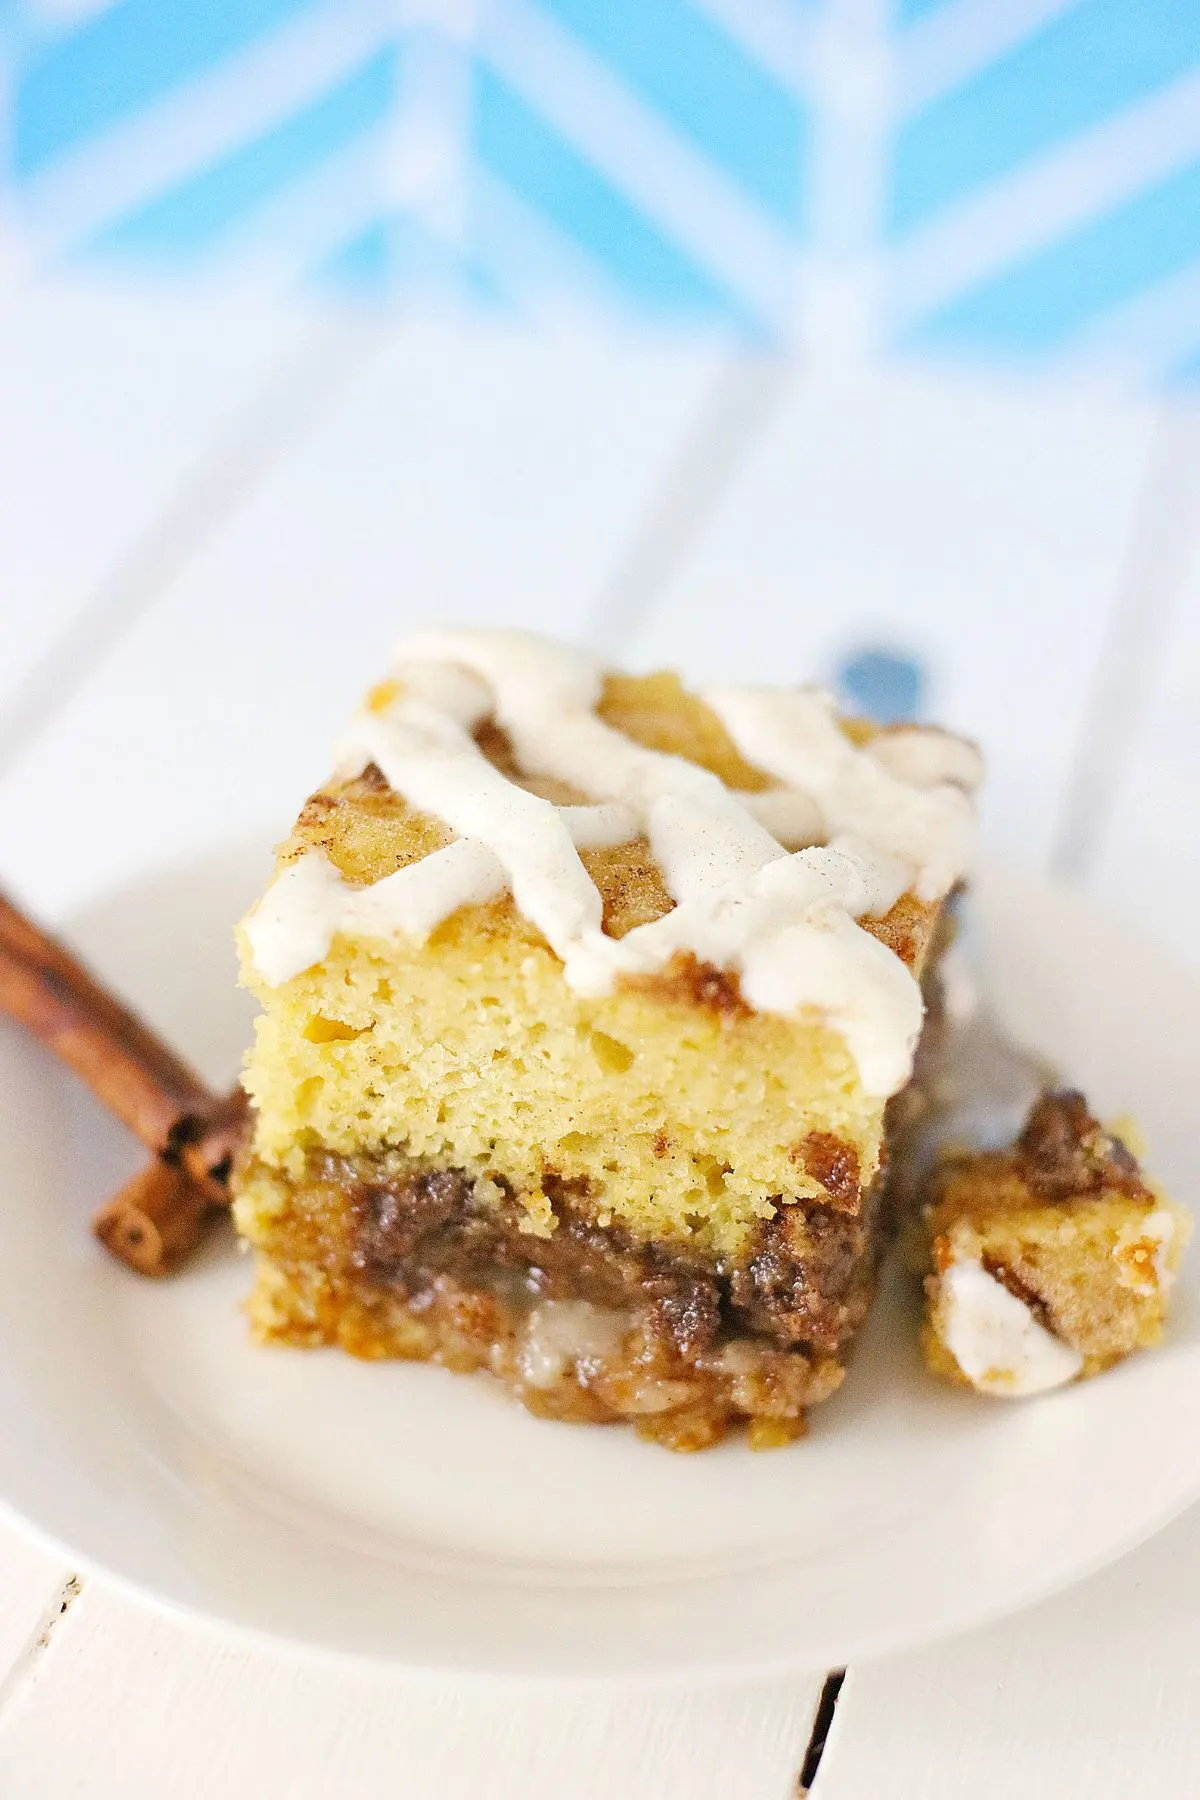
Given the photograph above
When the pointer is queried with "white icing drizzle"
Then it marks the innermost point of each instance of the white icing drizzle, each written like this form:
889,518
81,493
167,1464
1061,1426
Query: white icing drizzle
309,902
925,755
795,736
995,1339
787,923
791,817
293,924
561,1334
600,827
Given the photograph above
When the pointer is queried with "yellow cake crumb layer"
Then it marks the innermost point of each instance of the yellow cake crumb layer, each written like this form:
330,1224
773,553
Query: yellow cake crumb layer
474,1052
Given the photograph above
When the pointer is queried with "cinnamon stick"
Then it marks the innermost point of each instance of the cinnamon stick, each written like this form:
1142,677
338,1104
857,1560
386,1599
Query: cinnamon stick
127,1067
155,1219
158,1216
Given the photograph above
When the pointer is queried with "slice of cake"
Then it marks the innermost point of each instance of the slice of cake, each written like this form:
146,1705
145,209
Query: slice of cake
1051,1260
584,998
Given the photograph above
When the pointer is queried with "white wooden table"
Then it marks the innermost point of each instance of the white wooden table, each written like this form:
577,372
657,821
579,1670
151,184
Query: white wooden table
212,521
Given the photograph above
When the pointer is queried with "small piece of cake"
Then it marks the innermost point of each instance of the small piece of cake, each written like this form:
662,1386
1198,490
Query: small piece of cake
1051,1260
583,1001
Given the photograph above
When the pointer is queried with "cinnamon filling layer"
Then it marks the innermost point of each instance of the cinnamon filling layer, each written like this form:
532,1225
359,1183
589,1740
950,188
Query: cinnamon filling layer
802,1281
389,1257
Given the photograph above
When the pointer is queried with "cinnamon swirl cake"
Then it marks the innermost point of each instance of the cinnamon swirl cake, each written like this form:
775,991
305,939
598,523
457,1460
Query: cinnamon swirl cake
587,1003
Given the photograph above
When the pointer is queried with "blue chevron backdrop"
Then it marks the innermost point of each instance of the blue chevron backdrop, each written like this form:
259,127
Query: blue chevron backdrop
984,178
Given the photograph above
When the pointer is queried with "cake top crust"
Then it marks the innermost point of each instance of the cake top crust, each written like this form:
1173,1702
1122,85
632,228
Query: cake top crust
770,870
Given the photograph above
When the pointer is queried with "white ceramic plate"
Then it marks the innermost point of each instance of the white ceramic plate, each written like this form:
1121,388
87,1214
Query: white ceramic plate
404,1514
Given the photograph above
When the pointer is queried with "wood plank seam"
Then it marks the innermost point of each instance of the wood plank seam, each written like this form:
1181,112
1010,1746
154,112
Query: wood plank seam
1164,528
25,1666
736,412
290,402
819,1735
